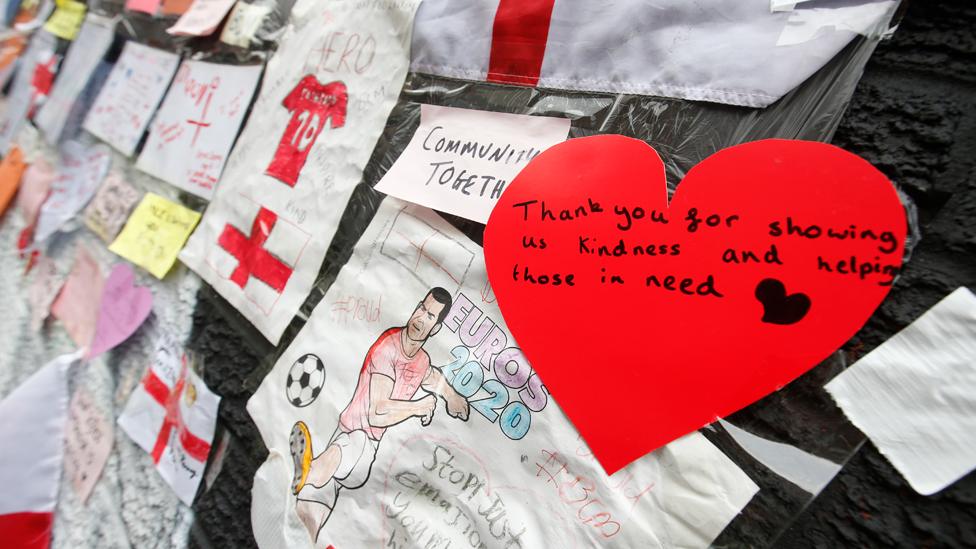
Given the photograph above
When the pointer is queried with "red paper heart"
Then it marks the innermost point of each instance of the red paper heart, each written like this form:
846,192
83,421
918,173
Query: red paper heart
639,364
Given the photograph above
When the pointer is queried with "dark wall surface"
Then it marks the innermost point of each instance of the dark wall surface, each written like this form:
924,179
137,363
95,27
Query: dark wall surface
914,117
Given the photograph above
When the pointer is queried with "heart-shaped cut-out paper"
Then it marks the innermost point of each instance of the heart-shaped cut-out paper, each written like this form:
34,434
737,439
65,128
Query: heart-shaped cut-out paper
648,321
124,308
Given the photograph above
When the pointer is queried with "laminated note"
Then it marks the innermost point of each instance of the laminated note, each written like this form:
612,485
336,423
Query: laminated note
129,98
405,414
80,64
194,129
327,93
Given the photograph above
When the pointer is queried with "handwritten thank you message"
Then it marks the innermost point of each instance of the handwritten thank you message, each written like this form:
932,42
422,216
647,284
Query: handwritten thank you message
648,320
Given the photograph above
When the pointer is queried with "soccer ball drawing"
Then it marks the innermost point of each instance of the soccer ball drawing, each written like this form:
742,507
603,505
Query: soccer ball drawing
305,379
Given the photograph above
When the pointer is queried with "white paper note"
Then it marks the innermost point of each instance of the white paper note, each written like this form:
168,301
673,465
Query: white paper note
22,96
80,173
172,415
83,57
202,18
195,127
244,21
514,473
459,160
128,99
914,395
327,93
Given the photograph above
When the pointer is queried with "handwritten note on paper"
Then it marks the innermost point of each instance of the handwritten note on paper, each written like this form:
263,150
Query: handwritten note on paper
81,172
77,304
244,21
134,89
76,72
43,289
109,209
87,443
794,243
155,233
145,6
39,55
460,160
202,18
12,168
172,415
66,19
194,129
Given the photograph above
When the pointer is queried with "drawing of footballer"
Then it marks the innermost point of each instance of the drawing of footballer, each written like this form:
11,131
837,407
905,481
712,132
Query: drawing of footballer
395,368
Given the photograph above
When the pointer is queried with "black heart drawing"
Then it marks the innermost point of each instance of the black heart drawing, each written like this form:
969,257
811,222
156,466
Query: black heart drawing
779,308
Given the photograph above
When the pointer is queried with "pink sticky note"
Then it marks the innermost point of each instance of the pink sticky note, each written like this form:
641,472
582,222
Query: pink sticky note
88,443
42,290
77,304
145,6
124,308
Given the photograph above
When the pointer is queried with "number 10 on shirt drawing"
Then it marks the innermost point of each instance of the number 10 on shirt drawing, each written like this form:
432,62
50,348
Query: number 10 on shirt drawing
310,103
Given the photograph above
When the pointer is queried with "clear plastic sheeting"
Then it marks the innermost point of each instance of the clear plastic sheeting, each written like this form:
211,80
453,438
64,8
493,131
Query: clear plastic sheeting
795,427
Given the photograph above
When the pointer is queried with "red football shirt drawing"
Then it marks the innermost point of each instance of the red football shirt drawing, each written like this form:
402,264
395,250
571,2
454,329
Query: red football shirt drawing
310,103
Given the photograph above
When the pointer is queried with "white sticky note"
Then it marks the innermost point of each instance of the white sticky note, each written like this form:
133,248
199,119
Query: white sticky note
915,395
131,94
459,160
195,127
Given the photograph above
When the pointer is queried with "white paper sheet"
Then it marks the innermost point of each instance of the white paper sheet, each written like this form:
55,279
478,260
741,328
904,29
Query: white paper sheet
83,57
327,93
460,161
195,127
22,96
172,415
914,395
128,99
514,470
244,21
202,18
80,173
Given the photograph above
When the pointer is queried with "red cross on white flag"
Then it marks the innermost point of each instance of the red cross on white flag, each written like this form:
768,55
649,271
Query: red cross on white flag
173,415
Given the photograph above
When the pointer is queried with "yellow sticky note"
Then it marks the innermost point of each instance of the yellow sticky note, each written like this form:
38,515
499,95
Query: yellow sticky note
66,19
155,232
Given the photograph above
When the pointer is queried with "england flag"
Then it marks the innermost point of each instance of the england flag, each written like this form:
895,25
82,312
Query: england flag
737,53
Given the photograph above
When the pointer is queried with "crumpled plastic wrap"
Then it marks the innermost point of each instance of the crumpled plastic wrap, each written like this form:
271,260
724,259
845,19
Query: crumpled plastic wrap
792,442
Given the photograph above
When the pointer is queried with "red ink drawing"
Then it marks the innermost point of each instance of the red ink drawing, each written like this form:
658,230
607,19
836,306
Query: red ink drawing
310,103
194,446
253,259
